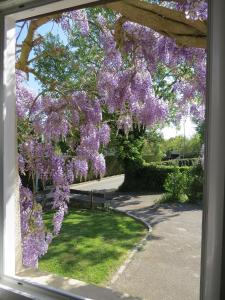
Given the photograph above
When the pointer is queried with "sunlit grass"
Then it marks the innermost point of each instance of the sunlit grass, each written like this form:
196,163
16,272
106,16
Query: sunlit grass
91,245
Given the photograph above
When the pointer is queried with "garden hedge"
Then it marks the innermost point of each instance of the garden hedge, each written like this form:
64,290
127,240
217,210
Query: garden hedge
113,166
147,178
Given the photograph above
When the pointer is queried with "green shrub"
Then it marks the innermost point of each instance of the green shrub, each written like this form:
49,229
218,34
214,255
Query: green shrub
184,186
113,166
195,184
147,178
176,186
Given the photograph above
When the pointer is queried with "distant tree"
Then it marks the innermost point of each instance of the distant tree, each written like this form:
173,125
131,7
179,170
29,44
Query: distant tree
153,147
186,148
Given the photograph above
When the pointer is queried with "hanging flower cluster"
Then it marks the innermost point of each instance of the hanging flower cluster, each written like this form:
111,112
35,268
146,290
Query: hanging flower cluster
79,17
35,240
151,49
194,9
42,122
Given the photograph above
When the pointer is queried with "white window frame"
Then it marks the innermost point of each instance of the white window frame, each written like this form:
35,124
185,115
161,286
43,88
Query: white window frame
213,251
10,243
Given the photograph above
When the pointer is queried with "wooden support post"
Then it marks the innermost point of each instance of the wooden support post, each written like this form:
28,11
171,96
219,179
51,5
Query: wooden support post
92,199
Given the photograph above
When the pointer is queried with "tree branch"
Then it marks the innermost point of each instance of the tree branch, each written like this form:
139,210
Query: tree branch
28,43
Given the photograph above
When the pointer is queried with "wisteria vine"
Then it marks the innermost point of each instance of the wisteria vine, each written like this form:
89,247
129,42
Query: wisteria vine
124,86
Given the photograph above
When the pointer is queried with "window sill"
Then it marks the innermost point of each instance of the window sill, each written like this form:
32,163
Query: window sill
14,288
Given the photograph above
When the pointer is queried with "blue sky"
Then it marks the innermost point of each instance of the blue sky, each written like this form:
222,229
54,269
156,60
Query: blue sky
43,30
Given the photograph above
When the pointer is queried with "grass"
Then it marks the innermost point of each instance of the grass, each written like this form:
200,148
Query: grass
91,245
169,198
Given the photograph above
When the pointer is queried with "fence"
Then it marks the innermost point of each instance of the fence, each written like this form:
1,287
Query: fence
181,162
101,198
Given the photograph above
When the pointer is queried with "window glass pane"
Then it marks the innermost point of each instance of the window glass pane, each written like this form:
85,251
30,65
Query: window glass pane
110,132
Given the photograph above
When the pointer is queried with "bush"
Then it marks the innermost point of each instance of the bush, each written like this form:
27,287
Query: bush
176,186
184,186
195,184
147,178
113,166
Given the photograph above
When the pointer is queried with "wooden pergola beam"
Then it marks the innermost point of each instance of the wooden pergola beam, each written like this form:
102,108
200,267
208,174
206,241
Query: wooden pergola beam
168,22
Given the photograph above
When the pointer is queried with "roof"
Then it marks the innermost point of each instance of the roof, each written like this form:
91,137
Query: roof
12,6
9,6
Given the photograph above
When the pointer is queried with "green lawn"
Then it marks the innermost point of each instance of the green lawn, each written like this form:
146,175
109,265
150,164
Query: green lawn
91,245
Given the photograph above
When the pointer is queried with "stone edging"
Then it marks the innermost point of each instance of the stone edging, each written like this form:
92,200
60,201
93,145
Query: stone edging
135,249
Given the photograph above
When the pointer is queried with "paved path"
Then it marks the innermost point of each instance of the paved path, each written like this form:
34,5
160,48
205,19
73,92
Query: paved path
168,266
109,184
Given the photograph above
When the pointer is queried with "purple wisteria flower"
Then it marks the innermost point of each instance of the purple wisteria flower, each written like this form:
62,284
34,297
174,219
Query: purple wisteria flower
194,9
104,134
81,168
35,241
57,220
79,17
99,166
